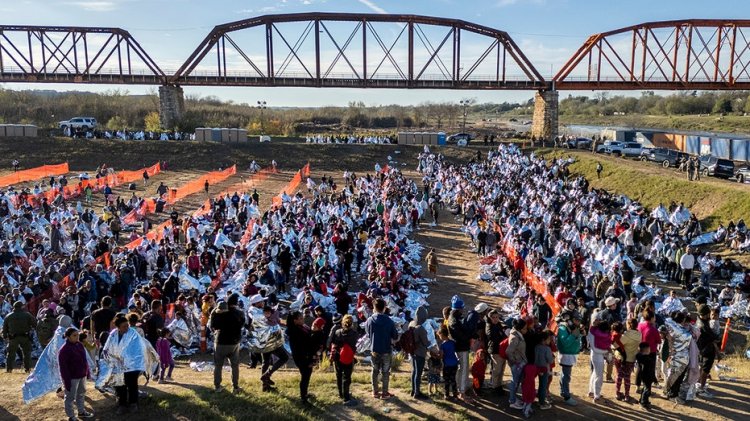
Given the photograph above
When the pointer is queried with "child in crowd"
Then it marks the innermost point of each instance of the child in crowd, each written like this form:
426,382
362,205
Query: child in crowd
631,305
625,345
663,353
647,376
163,348
435,365
450,363
478,369
543,359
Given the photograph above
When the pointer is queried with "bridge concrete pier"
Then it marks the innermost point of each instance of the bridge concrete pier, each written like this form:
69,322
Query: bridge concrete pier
171,106
544,122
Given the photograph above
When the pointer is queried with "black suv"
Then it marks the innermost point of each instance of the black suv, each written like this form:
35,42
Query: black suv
667,157
717,167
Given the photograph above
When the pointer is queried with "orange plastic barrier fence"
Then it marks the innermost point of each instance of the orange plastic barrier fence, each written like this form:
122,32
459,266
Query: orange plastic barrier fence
725,337
128,176
531,279
34,174
293,184
251,182
146,207
149,205
155,234
198,184
216,281
71,192
248,233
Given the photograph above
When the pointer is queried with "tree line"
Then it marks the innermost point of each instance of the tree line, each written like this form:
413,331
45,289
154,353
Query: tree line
648,103
118,110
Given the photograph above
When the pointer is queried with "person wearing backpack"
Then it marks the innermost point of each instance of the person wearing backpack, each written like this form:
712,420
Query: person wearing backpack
343,344
418,353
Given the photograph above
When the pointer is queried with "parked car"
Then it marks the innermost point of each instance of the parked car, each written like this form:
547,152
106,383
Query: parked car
77,123
667,157
602,148
716,167
578,143
742,175
632,149
454,138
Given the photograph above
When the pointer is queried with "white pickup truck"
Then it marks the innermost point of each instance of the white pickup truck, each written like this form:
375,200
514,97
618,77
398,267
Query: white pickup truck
76,123
628,149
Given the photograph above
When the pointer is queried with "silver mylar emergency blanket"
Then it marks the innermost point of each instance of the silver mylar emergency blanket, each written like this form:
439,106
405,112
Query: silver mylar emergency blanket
263,338
180,332
119,356
46,375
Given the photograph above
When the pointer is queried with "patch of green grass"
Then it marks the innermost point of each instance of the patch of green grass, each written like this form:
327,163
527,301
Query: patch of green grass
710,123
712,202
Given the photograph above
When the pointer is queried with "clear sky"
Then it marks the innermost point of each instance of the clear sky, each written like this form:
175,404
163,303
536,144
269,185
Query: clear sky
548,31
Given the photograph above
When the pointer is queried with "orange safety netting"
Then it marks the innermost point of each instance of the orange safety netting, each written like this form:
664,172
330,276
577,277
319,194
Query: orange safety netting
146,207
530,278
198,184
97,184
155,234
246,184
293,183
128,176
149,205
34,174
248,233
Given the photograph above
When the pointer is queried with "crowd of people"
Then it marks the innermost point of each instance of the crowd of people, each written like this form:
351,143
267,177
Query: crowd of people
126,134
333,274
351,139
63,268
581,245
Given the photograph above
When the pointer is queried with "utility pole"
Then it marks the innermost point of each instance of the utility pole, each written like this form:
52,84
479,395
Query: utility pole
261,107
464,103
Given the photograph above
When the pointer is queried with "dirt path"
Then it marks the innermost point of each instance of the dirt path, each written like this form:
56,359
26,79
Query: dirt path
458,265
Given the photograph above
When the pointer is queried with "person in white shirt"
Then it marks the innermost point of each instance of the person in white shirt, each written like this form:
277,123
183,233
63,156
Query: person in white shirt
687,263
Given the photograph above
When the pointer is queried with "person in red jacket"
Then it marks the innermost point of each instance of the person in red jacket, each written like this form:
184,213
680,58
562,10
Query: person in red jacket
478,369
194,264
74,369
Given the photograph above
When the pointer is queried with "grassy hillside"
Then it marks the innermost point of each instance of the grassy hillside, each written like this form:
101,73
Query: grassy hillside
712,123
713,200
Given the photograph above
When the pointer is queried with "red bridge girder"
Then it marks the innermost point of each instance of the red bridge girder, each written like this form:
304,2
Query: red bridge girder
695,54
74,55
362,70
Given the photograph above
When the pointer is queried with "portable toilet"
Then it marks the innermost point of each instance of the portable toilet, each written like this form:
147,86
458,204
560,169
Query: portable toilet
2,130
441,138
242,135
200,134
216,135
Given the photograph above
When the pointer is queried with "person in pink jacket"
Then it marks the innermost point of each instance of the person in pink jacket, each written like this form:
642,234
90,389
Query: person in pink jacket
164,349
74,368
